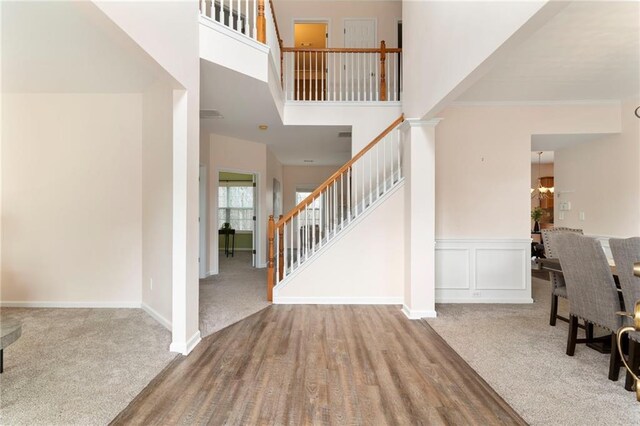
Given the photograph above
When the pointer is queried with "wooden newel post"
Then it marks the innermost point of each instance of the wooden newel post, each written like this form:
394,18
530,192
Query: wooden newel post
262,23
280,251
383,73
270,258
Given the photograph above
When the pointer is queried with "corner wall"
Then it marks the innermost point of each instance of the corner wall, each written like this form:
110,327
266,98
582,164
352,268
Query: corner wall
157,201
602,180
483,176
71,190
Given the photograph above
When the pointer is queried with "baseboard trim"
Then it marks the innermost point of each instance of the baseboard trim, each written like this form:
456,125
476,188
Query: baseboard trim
186,347
156,316
337,300
508,300
416,314
108,305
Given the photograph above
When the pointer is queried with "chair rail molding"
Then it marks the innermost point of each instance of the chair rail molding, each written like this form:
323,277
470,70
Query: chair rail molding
483,271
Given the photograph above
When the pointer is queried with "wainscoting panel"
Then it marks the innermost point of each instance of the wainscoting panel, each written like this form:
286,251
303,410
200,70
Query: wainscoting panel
452,268
483,271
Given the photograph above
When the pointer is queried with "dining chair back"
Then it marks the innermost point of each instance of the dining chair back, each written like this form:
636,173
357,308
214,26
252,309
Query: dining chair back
625,253
558,287
591,290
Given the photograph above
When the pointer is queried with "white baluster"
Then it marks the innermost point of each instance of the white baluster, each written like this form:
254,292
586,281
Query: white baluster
399,154
377,170
349,182
384,164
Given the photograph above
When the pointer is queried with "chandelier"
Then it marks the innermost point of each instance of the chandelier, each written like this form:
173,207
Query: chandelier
543,191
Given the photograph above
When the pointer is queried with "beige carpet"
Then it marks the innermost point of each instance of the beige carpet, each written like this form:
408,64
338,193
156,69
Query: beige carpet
239,290
78,366
516,351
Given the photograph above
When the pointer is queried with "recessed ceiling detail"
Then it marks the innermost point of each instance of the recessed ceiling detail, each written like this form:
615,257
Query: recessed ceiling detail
210,113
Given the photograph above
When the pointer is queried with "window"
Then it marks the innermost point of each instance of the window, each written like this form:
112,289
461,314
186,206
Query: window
312,212
235,205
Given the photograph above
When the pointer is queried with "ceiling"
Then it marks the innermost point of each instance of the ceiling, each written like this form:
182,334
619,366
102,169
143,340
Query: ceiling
545,158
69,47
245,103
588,51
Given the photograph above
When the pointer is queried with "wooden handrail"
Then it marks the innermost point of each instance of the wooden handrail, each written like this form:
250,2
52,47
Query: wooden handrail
337,174
339,50
275,22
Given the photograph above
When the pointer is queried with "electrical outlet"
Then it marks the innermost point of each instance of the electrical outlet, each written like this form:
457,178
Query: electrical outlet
151,283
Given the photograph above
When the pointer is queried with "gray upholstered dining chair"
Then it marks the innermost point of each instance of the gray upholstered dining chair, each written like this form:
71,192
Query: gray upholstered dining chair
591,290
558,287
625,253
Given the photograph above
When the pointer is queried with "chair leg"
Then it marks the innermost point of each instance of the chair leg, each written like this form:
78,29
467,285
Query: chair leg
634,363
589,331
554,310
573,335
614,360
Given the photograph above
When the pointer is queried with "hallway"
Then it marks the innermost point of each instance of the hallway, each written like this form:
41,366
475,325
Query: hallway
239,290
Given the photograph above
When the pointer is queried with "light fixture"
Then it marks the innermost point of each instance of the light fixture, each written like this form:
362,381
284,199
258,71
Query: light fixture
263,127
543,191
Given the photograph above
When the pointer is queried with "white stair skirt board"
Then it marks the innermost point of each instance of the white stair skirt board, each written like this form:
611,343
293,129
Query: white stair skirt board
186,347
156,316
483,271
40,304
416,315
347,228
339,300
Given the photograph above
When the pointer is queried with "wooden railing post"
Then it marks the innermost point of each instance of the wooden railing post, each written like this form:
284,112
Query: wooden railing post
383,73
270,259
262,23
280,251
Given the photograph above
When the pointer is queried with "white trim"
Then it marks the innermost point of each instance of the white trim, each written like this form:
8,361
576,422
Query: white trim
416,315
186,347
338,300
334,104
156,316
511,300
482,240
536,103
223,29
350,227
56,304
416,122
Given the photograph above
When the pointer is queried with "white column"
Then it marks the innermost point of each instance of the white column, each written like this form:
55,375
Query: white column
418,139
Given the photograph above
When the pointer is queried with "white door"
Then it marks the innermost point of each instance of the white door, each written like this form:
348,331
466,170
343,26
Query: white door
360,69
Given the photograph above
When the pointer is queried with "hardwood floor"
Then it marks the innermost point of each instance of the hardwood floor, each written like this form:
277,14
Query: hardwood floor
326,364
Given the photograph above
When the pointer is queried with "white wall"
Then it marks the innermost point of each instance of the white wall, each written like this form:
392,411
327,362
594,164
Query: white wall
303,176
483,176
483,163
374,275
367,120
603,181
387,14
274,170
448,45
157,201
169,33
230,154
71,176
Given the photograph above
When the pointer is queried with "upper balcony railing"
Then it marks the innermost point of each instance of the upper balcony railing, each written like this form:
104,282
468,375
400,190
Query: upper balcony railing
319,75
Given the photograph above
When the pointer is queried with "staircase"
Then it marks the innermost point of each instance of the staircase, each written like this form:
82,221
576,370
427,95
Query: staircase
334,207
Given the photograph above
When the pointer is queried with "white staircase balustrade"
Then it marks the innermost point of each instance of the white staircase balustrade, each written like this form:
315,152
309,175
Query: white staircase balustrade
329,210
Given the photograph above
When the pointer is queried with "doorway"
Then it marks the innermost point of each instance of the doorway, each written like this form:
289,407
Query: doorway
237,231
310,66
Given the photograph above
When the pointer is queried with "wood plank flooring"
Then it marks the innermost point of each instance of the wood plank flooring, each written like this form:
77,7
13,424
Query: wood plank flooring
326,364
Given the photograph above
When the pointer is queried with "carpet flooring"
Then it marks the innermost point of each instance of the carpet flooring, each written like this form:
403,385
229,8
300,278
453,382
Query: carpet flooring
239,290
78,366
523,358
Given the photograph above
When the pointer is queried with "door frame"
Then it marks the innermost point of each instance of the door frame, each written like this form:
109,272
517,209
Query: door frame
202,223
257,227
